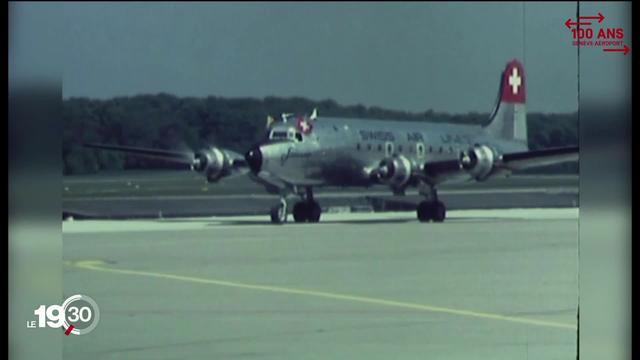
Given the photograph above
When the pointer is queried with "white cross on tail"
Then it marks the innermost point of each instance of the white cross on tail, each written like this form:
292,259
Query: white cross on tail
515,81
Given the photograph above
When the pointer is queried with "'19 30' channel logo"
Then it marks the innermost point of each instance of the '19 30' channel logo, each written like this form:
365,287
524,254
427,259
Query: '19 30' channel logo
78,315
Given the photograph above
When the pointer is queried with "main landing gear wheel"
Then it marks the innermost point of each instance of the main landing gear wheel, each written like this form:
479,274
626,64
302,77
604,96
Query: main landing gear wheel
300,212
431,210
306,211
314,212
279,212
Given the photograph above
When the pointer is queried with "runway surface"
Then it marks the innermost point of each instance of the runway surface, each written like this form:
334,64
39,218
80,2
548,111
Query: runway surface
486,284
182,195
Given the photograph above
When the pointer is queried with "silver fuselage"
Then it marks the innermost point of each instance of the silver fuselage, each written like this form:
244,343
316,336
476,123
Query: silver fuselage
342,152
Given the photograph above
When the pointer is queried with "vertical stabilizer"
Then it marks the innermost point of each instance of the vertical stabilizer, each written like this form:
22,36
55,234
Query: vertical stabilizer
509,117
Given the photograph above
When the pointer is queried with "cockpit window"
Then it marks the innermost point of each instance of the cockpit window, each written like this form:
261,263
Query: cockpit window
278,135
289,134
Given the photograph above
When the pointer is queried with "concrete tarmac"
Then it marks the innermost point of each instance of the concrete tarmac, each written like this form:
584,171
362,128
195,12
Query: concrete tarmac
485,284
183,195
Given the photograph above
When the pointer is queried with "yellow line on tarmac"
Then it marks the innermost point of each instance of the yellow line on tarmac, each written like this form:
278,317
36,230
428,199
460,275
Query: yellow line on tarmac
95,265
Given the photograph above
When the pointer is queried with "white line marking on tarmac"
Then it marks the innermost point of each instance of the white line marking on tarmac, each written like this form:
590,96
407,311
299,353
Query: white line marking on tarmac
95,266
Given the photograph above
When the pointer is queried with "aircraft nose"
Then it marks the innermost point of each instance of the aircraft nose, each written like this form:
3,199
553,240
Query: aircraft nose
254,159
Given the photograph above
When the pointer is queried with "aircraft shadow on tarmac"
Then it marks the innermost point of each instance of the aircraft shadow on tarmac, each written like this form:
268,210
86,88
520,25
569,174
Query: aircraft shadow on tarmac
266,222
214,223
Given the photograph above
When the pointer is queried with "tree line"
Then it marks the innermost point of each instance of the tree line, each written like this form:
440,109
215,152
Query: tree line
168,122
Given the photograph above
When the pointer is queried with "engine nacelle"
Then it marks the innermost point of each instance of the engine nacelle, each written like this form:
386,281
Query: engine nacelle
394,171
478,161
214,163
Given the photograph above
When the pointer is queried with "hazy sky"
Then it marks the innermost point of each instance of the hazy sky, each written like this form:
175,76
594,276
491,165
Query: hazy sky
405,56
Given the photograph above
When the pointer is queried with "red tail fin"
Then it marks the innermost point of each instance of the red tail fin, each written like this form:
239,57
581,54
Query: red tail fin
509,117
513,83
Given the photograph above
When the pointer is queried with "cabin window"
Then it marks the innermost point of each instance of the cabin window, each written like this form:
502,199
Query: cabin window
379,147
298,137
450,149
399,148
358,146
389,148
420,149
369,147
440,150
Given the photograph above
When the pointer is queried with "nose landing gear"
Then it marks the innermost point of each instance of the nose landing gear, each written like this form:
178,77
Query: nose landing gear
307,210
279,212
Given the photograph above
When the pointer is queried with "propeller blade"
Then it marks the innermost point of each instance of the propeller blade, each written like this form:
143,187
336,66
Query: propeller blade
180,157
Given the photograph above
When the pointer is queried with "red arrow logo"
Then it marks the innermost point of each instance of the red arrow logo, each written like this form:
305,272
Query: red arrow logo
568,23
68,331
600,17
624,50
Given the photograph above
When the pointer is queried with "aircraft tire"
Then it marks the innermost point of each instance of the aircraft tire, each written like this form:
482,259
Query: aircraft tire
300,212
279,213
313,212
439,212
425,211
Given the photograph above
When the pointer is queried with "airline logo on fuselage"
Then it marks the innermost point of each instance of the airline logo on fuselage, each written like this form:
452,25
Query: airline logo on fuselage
291,154
457,139
378,135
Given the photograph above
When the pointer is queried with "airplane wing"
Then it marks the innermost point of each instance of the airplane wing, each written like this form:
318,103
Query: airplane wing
527,159
440,171
213,162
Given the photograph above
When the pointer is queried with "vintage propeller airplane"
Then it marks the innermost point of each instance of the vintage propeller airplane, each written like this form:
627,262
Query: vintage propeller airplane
303,152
